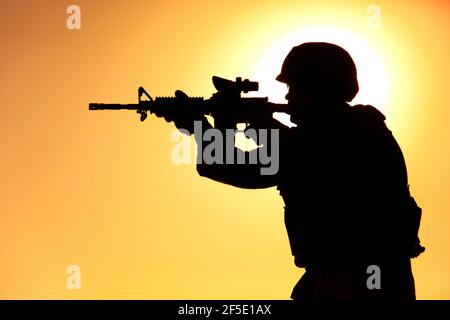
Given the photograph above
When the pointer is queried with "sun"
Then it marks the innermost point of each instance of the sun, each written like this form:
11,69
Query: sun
372,75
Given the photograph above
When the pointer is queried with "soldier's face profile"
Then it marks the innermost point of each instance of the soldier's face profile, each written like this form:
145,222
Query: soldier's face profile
295,96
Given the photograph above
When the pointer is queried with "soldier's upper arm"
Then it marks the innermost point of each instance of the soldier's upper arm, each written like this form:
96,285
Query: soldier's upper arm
246,175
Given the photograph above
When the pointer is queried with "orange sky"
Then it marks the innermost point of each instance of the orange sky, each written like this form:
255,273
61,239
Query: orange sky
99,190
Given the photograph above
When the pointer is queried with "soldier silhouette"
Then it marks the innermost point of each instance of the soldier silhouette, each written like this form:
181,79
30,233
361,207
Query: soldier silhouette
343,180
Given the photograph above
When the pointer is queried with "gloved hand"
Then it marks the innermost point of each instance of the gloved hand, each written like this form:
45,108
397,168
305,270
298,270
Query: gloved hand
184,118
299,262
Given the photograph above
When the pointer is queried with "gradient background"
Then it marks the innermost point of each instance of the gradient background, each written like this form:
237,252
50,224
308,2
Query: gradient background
98,189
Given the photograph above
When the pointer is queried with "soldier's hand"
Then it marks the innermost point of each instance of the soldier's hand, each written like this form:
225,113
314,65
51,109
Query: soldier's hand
265,121
184,119
298,261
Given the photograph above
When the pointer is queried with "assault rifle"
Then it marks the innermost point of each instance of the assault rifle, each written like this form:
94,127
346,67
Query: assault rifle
226,105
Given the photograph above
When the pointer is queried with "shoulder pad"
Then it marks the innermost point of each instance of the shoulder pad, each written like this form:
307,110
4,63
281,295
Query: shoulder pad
368,112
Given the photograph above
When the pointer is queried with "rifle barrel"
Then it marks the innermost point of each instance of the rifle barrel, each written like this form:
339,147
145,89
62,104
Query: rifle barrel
114,106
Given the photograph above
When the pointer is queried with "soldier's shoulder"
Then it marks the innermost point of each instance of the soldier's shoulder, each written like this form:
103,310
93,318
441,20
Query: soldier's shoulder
369,121
367,113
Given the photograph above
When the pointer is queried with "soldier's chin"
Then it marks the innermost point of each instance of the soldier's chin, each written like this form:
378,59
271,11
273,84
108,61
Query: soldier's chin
301,100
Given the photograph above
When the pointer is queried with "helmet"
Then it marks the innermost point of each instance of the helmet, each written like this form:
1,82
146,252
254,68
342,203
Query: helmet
320,69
